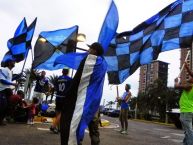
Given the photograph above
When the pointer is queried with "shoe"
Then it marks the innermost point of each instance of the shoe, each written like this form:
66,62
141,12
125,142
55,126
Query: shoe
30,123
124,132
121,130
54,130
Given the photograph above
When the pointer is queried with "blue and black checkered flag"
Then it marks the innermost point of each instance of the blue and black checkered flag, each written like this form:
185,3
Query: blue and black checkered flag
170,29
52,44
21,42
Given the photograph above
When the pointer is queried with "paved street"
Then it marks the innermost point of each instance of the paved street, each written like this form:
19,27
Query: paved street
140,133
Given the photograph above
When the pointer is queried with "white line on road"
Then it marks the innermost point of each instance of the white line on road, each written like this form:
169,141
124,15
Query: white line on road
178,134
43,129
165,137
166,130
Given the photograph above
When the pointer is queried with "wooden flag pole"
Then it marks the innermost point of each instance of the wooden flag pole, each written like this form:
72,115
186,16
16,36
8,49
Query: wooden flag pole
184,63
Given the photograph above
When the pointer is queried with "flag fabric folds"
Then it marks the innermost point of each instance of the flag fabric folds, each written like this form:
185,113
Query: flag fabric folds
20,44
170,29
81,103
7,56
71,60
109,27
52,44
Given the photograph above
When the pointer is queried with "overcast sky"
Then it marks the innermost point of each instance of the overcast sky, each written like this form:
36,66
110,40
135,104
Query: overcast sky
89,15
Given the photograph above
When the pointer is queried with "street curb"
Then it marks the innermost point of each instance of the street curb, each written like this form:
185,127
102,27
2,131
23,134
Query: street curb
146,121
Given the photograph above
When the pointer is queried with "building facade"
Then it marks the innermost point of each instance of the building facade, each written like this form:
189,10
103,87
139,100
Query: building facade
151,72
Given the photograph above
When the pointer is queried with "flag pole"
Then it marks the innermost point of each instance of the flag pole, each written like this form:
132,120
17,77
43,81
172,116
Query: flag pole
184,63
16,89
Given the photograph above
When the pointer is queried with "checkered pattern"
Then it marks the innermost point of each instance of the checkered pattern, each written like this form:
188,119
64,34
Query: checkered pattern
21,42
57,43
170,29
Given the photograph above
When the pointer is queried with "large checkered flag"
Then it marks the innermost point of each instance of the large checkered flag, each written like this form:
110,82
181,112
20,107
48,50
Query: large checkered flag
52,44
21,42
170,29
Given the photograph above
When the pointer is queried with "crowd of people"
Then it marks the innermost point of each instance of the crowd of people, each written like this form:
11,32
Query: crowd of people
11,102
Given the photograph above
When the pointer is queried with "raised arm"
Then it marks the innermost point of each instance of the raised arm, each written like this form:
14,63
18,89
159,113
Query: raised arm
177,85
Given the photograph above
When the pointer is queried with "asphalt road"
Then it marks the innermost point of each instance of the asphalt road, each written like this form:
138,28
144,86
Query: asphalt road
140,133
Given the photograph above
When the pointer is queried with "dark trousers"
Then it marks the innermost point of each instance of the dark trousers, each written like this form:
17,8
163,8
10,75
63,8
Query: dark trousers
3,107
94,131
4,102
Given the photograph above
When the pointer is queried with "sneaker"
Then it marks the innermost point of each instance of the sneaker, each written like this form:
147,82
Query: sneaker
124,132
121,130
28,122
54,130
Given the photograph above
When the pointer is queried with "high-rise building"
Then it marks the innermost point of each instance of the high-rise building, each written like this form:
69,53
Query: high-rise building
151,72
184,76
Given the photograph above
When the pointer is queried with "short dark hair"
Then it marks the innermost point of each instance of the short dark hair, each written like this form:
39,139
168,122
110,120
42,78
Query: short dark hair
35,100
65,71
98,47
129,86
20,93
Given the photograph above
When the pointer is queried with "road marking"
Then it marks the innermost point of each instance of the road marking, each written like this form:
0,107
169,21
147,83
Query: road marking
178,134
165,137
166,130
43,129
176,140
112,125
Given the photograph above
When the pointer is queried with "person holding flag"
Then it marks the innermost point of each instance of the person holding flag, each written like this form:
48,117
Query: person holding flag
83,97
186,106
124,108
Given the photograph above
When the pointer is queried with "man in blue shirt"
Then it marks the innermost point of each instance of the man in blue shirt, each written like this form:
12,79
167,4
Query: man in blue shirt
41,83
61,87
124,108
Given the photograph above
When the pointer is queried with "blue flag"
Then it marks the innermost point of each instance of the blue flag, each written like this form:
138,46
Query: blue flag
81,102
71,60
20,44
21,29
52,44
170,29
8,56
109,28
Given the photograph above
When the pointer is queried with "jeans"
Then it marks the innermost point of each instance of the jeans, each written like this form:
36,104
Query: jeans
186,120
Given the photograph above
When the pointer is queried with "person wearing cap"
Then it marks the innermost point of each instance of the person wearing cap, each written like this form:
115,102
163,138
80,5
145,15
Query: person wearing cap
96,50
123,117
62,85
6,86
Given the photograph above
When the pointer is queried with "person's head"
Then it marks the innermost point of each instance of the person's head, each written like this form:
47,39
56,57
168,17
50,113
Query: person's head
10,63
43,73
35,100
127,87
96,49
21,94
65,71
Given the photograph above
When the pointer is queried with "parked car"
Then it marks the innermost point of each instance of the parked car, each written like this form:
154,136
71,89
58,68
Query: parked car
174,116
114,113
105,111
